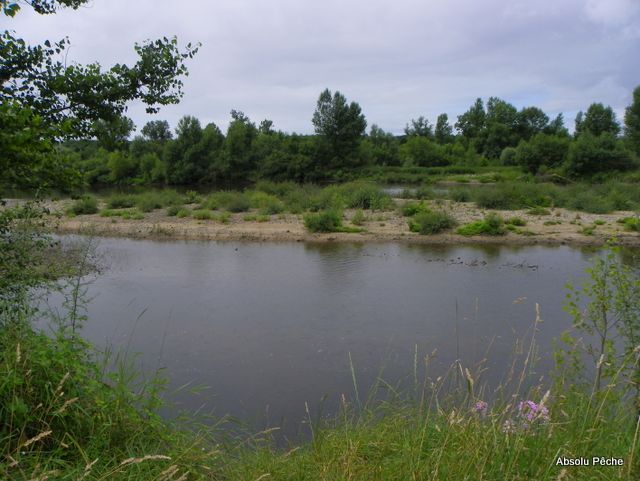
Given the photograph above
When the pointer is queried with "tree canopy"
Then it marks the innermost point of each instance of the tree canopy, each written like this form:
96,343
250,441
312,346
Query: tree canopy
77,101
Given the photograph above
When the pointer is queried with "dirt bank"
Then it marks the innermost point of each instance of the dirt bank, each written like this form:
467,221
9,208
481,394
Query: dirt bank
560,227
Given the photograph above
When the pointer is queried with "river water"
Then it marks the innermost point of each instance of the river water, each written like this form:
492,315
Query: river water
268,327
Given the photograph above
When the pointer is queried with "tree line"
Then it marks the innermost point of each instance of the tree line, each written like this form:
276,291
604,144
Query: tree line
62,125
488,133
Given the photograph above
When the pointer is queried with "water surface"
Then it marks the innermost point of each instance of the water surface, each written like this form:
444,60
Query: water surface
269,326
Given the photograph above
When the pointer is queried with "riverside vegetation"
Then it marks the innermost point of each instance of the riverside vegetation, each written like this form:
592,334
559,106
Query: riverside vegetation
68,413
357,207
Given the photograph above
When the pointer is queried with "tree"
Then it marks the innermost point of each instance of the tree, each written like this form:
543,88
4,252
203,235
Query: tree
531,121
472,123
419,127
542,150
590,154
112,135
556,127
185,162
443,132
600,119
632,122
340,126
157,131
423,152
68,100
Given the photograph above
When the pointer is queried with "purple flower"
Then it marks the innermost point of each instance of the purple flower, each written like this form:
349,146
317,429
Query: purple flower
530,412
481,407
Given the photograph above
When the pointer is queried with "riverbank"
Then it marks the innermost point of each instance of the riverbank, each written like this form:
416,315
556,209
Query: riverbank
555,226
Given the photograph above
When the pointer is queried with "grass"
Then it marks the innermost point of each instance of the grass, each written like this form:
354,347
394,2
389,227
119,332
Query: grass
516,221
428,223
202,214
85,205
358,218
410,209
492,225
324,221
631,223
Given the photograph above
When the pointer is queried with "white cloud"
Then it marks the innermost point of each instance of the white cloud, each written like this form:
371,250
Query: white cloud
399,59
612,12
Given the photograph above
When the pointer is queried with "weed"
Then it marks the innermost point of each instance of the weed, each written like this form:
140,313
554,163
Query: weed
324,221
492,224
85,205
431,222
202,214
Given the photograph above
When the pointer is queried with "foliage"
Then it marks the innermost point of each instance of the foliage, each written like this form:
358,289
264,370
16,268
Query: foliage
597,121
339,124
358,218
431,222
542,150
612,293
85,205
632,122
591,154
324,221
492,224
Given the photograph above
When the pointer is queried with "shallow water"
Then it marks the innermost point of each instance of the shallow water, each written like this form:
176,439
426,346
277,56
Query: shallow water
270,326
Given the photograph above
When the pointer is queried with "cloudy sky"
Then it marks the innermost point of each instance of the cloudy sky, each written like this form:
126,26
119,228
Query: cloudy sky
399,59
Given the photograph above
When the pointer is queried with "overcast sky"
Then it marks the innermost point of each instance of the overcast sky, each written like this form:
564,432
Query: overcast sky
399,59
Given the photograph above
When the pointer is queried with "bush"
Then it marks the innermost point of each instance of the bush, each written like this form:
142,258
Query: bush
492,224
324,221
516,221
591,154
412,208
85,205
431,222
238,203
173,210
121,201
202,214
539,211
182,213
358,218
631,223
364,196
460,195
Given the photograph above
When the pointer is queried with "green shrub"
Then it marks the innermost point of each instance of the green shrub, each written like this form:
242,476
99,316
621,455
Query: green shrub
202,214
591,202
85,205
412,208
324,221
148,202
539,211
460,195
358,218
364,196
183,213
492,224
121,201
516,221
431,222
191,197
224,217
631,223
238,203
173,210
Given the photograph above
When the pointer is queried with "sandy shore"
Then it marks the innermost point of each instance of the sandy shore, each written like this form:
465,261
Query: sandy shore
561,227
